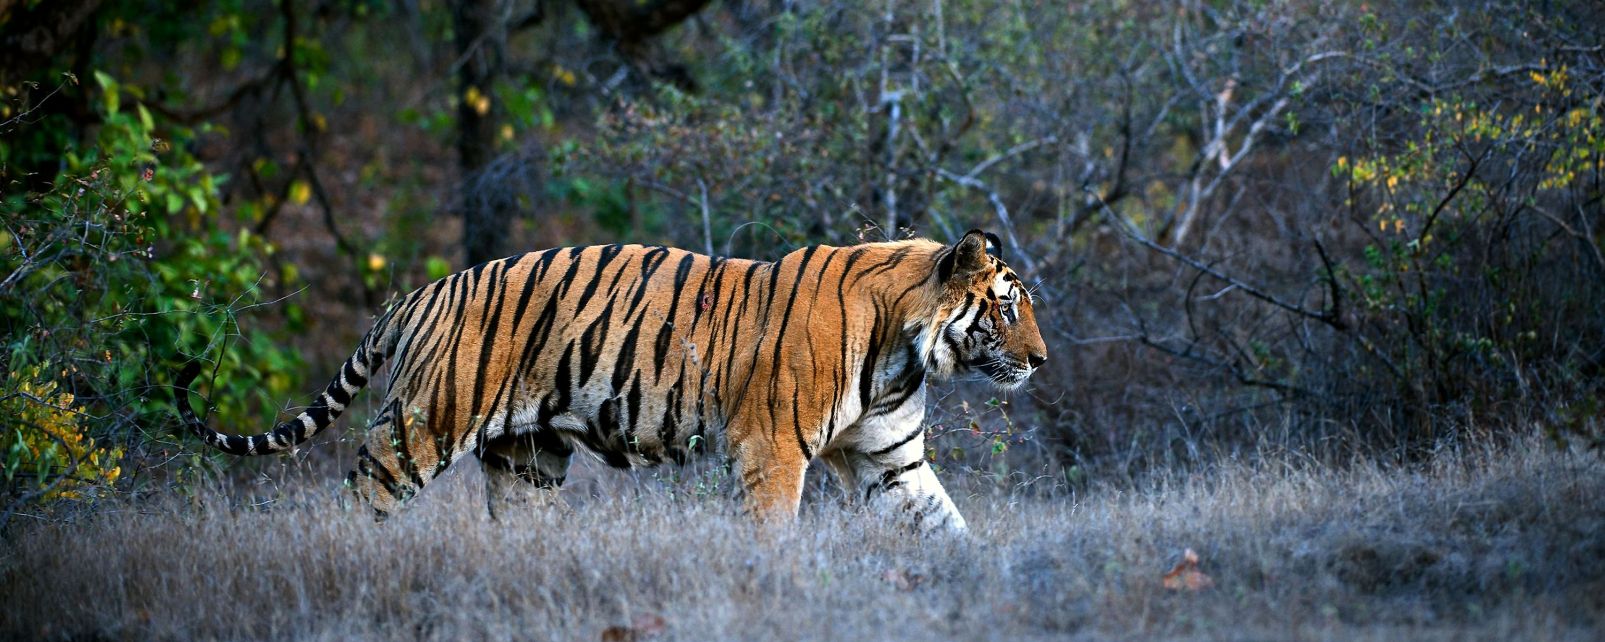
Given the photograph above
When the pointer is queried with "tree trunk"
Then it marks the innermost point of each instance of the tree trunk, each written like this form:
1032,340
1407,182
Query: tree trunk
478,38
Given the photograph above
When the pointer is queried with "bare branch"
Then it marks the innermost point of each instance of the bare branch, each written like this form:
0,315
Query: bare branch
997,207
707,223
1010,153
1326,316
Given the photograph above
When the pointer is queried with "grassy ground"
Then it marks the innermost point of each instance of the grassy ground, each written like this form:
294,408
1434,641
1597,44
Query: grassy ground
1506,544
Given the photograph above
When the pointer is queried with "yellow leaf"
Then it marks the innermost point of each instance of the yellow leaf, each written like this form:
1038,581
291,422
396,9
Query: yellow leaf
477,100
300,192
563,75
376,262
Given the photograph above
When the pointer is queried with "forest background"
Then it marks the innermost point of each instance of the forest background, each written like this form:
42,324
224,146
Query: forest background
1264,235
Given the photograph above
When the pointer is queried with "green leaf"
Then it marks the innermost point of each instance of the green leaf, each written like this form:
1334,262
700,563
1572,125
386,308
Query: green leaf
437,268
109,93
198,197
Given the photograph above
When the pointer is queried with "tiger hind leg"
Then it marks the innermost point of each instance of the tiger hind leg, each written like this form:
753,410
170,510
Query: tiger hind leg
397,458
524,472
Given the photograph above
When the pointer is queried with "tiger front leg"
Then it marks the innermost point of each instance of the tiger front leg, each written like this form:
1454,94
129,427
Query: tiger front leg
771,479
906,490
883,460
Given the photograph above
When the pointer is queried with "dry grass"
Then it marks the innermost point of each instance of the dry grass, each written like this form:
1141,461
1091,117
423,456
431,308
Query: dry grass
1495,545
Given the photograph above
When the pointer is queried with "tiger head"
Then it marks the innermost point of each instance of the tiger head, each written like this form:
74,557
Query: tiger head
984,326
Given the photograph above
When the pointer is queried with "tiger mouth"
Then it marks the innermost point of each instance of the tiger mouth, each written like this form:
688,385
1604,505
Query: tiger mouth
1014,378
1006,372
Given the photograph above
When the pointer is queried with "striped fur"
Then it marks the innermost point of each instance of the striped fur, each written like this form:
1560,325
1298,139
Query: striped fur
642,354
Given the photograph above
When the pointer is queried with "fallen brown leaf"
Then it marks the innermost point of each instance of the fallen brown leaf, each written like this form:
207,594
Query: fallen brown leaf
644,626
1186,576
904,581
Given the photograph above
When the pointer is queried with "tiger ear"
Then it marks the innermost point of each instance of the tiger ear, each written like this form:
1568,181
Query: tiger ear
994,245
965,257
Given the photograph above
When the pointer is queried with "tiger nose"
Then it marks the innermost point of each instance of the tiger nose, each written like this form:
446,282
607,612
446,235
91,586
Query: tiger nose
1037,359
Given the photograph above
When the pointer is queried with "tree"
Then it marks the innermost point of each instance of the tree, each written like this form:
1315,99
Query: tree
480,29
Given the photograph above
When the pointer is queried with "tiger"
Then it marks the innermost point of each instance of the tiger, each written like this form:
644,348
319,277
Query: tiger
643,354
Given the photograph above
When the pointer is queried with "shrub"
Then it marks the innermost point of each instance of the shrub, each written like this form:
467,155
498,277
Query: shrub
122,266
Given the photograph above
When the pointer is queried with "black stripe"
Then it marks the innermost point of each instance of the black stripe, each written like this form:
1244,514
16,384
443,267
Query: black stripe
912,287
889,479
606,256
370,467
727,351
917,431
866,374
661,345
524,295
424,319
891,262
447,424
337,393
981,307
319,412
667,425
626,359
538,335
839,374
403,449
563,380
715,268
593,340
908,383
601,435
349,370
649,266
504,389
574,265
633,400
774,365
543,263
488,338
958,352
435,341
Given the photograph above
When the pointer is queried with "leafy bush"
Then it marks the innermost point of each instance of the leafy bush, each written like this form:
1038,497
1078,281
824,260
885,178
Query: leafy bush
47,452
1481,255
123,266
